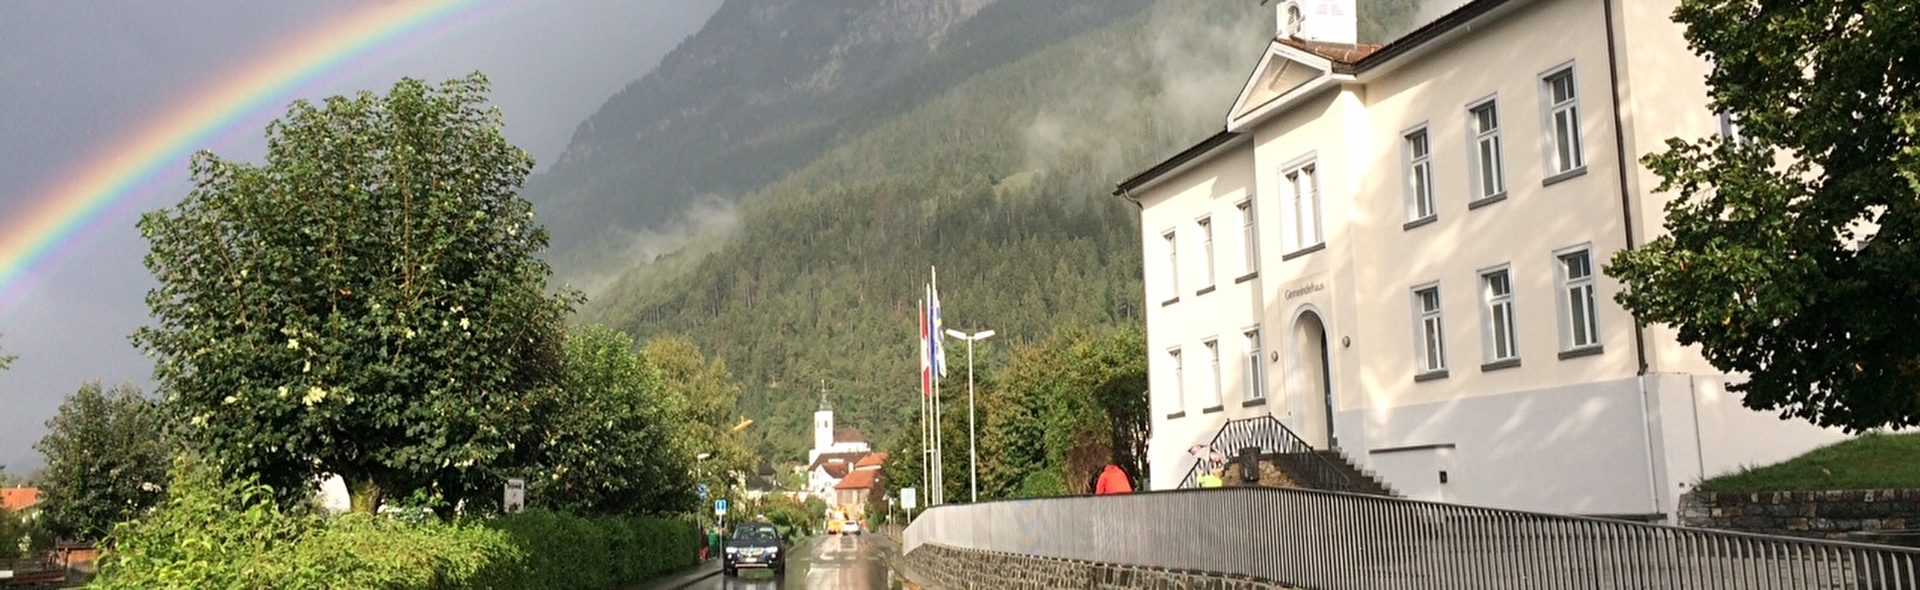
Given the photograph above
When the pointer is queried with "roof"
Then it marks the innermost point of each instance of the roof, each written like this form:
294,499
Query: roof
873,460
1447,23
1203,148
858,480
17,498
1347,60
837,470
848,435
1337,52
830,458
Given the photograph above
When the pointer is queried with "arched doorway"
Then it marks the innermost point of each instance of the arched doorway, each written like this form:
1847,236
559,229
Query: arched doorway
1312,380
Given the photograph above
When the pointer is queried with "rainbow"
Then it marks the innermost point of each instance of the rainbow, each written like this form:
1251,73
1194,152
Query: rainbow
83,196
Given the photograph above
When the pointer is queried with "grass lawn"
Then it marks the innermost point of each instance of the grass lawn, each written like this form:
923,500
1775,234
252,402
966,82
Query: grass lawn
1871,461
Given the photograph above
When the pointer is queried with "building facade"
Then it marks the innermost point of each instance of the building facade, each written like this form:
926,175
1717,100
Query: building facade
1397,251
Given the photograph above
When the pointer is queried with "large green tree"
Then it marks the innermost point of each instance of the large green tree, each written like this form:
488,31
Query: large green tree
703,400
610,435
1055,414
366,303
106,460
1791,255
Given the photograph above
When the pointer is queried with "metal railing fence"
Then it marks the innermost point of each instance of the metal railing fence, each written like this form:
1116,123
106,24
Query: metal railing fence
1338,541
1271,437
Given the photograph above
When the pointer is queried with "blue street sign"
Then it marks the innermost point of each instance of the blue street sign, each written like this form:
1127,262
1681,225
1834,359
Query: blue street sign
702,488
720,506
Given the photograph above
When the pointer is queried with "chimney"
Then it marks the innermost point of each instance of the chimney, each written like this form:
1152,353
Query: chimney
1323,21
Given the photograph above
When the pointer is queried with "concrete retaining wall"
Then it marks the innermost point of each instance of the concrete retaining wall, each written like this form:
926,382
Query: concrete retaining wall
1833,514
947,568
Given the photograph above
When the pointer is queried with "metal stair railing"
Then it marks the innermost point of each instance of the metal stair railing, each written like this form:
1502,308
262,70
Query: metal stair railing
1272,438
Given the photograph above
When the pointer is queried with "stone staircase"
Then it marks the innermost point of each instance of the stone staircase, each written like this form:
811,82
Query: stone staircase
1284,460
1358,481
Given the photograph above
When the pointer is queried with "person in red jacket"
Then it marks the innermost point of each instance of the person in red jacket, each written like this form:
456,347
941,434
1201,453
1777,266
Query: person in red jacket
1112,481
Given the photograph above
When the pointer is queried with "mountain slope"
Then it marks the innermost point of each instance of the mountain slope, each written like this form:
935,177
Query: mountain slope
999,174
772,83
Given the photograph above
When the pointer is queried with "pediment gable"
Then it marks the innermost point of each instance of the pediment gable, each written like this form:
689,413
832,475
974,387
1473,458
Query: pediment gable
1284,72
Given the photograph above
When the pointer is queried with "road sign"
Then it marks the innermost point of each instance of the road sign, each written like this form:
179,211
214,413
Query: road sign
907,498
720,507
516,495
702,488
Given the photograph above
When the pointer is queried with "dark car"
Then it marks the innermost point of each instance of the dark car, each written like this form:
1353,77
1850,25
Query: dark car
755,545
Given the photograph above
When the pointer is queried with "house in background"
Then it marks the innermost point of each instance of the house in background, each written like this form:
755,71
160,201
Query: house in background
1395,250
860,487
18,498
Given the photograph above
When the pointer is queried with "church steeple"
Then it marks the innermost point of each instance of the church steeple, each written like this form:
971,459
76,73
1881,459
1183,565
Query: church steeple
823,423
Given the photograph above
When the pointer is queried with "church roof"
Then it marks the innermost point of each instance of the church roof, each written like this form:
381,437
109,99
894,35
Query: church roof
873,460
848,435
827,459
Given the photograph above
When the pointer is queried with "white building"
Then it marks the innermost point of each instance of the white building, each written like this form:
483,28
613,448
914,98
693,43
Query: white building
835,453
1396,251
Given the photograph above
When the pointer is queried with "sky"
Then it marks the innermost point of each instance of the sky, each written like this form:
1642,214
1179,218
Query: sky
82,82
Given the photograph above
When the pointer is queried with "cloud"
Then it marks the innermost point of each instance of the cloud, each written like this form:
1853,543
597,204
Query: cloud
710,220
1194,63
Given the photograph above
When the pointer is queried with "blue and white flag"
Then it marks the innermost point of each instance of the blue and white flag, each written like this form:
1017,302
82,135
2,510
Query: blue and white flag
938,329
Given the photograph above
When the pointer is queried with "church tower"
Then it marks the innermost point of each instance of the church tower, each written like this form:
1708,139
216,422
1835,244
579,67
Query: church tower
822,424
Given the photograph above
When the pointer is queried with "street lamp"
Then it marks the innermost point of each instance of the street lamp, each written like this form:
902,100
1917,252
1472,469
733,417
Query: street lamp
973,456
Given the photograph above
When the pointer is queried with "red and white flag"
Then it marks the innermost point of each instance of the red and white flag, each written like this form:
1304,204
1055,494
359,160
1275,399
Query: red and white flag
926,354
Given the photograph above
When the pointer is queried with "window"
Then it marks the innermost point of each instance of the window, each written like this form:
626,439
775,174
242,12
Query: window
1419,176
1179,403
1580,327
1303,200
1488,180
1213,374
1563,122
1256,372
1173,266
1206,249
1497,290
1433,353
1249,241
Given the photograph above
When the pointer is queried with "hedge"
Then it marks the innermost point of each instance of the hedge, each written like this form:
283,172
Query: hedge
214,534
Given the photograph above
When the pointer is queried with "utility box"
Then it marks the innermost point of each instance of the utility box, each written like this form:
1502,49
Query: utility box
1249,461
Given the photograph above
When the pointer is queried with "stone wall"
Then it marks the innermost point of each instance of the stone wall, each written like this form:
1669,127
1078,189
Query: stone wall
1847,514
946,568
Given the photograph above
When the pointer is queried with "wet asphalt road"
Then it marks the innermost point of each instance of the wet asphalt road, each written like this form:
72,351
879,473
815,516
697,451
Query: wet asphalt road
827,562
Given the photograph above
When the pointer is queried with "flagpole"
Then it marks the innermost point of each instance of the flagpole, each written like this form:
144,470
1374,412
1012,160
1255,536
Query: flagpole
939,448
926,410
939,358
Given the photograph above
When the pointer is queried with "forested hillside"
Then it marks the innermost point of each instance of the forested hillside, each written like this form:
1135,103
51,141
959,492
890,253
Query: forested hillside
766,87
999,175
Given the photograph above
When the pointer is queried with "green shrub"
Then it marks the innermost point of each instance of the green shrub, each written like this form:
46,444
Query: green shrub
389,553
591,553
211,533
23,533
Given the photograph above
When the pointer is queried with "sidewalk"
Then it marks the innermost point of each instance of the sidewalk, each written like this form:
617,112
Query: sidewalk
889,549
682,578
